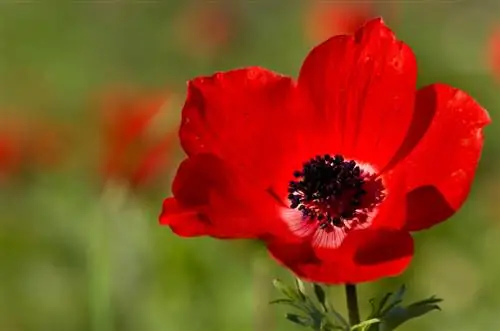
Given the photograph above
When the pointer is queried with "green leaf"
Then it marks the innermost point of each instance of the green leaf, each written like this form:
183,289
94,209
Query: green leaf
301,290
278,301
312,314
399,315
321,296
391,313
290,303
430,301
393,300
287,290
378,306
327,326
363,326
340,319
301,320
397,297
327,307
387,302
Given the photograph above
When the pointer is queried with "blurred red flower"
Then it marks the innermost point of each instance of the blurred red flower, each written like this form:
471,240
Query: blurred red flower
333,171
324,19
131,151
494,52
28,144
10,154
204,28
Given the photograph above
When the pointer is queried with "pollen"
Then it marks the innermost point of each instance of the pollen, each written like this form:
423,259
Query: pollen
335,192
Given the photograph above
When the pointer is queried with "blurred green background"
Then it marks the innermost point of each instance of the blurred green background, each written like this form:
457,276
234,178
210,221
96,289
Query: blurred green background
80,254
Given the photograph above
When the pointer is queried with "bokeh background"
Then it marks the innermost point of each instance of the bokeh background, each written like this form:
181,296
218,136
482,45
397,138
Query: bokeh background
90,99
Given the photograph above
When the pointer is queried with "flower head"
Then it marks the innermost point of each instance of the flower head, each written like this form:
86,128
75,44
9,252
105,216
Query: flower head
324,19
132,153
333,170
204,29
494,52
28,144
10,154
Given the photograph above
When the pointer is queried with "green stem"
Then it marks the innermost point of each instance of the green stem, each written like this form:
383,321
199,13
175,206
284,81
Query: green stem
262,318
99,274
352,304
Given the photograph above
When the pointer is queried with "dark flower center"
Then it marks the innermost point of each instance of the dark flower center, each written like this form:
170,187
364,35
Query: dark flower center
335,192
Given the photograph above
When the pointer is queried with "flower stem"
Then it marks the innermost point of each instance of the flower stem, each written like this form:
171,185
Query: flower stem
263,319
99,275
352,304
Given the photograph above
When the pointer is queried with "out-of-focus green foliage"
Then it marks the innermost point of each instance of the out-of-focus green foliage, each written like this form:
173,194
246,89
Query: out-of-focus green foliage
78,256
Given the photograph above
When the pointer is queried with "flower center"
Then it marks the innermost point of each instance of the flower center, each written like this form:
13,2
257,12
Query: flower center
335,192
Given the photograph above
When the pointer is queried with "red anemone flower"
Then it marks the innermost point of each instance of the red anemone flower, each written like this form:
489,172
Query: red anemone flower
325,19
48,144
334,170
494,53
10,154
204,29
26,144
132,153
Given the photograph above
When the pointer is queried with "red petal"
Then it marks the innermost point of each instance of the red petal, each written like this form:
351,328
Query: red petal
208,192
363,88
493,52
379,253
247,117
392,211
126,117
443,147
10,154
153,161
325,19
184,222
365,255
126,114
204,29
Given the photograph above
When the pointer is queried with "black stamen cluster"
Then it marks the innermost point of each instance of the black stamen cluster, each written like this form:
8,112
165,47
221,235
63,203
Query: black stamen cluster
322,181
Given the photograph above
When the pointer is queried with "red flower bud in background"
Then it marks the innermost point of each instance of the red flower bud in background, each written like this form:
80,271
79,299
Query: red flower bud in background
334,170
493,52
132,150
326,18
10,154
203,29
30,144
